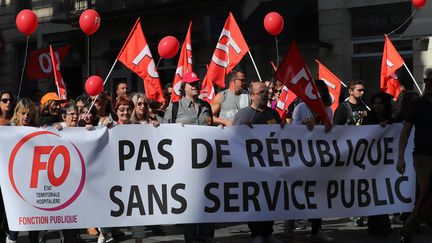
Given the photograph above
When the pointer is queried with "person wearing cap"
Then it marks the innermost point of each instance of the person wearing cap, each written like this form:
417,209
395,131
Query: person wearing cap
192,110
227,103
418,115
50,109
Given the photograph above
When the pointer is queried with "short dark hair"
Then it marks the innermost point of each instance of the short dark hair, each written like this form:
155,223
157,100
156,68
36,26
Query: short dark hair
354,83
233,74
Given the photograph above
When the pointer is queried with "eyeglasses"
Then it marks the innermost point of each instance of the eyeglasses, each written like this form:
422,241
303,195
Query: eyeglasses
5,100
278,90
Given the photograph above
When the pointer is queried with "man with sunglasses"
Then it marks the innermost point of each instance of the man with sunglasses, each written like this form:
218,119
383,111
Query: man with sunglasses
258,113
227,103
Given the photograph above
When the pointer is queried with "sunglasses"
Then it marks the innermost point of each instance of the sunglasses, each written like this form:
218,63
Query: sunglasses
140,104
6,100
195,84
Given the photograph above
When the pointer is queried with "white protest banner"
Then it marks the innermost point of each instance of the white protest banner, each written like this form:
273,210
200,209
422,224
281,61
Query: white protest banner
142,175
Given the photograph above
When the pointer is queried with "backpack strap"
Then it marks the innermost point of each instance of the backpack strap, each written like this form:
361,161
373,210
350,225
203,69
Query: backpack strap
350,117
174,110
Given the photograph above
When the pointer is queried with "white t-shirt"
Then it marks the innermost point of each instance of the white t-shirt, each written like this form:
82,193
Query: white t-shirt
302,112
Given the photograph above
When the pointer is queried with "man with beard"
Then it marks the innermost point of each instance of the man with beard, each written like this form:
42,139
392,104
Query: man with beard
258,113
227,103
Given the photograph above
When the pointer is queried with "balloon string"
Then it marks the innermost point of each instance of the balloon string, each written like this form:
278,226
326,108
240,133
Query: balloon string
88,56
23,68
157,65
277,51
106,79
403,24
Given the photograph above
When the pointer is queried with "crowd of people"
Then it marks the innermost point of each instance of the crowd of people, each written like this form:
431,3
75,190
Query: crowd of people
238,104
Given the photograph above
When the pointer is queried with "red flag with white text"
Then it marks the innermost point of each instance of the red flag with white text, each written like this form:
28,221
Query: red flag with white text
391,61
135,54
61,90
285,99
230,49
333,84
184,65
294,73
207,92
39,62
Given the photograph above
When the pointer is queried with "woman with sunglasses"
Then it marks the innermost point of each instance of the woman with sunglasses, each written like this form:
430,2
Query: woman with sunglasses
140,111
6,107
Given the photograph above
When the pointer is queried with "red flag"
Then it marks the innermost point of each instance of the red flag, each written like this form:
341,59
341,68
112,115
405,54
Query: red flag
39,62
61,91
135,54
207,92
285,99
393,86
391,61
184,65
230,49
295,75
333,84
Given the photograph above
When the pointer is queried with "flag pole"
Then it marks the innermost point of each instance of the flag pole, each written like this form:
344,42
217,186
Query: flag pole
88,56
106,79
256,69
412,77
24,65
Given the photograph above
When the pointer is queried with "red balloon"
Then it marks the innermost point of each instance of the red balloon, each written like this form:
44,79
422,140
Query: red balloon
168,47
89,21
94,85
273,23
26,22
418,3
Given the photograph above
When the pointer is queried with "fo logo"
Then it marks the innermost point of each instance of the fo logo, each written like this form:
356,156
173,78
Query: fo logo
46,171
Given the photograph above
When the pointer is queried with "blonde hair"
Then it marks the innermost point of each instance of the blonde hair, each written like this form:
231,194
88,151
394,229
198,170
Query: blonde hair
135,99
25,103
